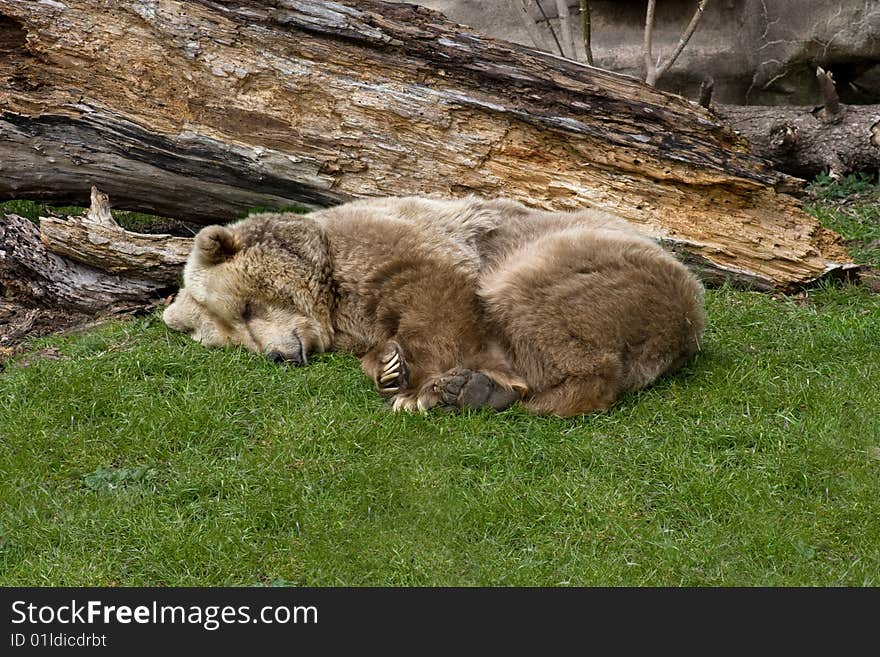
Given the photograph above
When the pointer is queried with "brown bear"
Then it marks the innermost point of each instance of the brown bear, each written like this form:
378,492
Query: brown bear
460,303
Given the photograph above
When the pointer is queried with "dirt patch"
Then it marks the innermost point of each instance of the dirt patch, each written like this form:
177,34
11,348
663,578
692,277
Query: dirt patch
49,353
870,278
19,322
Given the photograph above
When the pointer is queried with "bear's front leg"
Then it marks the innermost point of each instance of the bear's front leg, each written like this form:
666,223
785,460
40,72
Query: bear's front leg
386,366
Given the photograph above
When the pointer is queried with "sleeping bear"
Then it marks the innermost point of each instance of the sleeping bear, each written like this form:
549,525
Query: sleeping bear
459,303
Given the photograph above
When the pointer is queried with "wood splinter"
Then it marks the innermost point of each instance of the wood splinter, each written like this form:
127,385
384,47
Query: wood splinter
832,110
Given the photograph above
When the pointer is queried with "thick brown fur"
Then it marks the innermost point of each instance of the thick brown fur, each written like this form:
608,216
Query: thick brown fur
463,302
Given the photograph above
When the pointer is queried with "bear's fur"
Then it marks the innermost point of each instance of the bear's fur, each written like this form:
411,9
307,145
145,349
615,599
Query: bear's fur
461,303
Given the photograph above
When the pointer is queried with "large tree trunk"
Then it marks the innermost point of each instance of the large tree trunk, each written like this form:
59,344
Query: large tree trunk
202,109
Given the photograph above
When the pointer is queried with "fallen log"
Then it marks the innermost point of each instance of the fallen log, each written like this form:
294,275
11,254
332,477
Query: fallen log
804,141
797,142
29,272
145,266
95,239
202,109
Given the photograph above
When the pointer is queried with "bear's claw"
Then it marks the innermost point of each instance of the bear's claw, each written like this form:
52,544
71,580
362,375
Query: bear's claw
463,388
393,376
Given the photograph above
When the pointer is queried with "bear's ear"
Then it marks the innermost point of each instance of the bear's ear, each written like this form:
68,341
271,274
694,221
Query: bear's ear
216,244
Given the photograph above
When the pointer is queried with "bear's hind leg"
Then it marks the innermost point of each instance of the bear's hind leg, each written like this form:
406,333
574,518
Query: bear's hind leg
573,397
595,389
485,379
461,387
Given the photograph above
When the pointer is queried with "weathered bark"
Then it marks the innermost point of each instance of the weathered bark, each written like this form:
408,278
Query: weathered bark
201,109
804,142
70,269
29,272
98,241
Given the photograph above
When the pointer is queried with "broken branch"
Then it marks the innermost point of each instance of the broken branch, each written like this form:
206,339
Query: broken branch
98,241
831,108
585,22
28,271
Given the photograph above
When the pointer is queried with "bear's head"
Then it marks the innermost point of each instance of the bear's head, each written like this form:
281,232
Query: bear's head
265,283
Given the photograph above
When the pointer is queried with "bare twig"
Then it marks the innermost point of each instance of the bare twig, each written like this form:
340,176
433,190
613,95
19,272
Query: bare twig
685,37
650,68
585,21
565,29
652,71
531,26
550,27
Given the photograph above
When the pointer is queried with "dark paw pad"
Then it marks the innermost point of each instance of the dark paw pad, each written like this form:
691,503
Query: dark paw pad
468,389
393,375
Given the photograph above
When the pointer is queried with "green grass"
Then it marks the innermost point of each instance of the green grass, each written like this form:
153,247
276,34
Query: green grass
33,210
850,206
141,458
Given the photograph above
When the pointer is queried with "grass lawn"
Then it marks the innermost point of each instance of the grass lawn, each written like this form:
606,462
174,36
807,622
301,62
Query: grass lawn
131,456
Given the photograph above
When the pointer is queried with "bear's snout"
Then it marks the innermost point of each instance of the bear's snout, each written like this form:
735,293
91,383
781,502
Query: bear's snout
281,358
